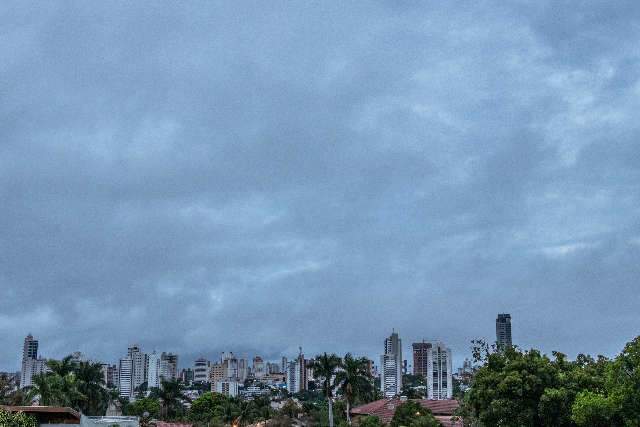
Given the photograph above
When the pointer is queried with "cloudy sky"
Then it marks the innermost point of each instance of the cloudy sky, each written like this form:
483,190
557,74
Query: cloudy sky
255,176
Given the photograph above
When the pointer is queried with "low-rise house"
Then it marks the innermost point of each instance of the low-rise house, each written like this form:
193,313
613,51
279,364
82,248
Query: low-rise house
48,416
384,409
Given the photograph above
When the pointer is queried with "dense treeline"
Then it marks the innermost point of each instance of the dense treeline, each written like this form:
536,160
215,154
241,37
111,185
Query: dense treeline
526,388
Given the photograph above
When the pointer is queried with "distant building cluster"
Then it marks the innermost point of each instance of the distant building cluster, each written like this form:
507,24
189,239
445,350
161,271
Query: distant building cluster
139,372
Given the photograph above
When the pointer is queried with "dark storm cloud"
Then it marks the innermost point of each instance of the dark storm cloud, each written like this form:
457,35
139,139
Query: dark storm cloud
254,177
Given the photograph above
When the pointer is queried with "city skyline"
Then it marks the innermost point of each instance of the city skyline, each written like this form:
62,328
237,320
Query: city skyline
203,177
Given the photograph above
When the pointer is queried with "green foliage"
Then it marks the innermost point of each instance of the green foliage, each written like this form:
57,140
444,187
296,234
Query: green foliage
219,409
142,405
370,421
18,419
412,414
75,385
593,410
526,388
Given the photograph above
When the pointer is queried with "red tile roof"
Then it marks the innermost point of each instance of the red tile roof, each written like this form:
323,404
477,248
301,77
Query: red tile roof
386,408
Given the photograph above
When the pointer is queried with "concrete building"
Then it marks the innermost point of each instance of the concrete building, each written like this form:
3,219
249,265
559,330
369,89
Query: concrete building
391,366
243,370
125,378
201,370
503,331
421,352
140,366
217,372
228,388
439,372
31,365
259,370
296,374
153,371
169,366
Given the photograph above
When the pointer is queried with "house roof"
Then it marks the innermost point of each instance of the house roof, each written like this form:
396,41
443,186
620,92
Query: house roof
47,412
386,408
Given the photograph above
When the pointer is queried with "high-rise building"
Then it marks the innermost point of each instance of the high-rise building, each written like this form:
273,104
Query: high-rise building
296,374
217,372
421,352
125,378
258,367
391,366
228,388
283,364
186,375
439,372
243,370
169,366
432,361
153,371
140,365
31,364
201,370
503,331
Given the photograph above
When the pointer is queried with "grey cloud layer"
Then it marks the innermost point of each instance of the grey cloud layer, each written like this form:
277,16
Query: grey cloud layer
252,177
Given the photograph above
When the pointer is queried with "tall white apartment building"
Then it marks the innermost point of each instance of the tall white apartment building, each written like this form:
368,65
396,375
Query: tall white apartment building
125,378
140,365
201,370
31,364
296,375
228,388
391,366
439,372
153,371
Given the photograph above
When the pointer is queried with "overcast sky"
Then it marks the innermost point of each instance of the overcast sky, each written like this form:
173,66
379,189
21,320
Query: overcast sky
258,176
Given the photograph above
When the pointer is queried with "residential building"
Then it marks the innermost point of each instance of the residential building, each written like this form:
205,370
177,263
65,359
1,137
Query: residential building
201,370
125,378
258,367
31,364
283,364
140,365
421,351
296,372
273,368
169,366
391,366
503,331
228,388
243,370
186,375
153,371
439,372
217,372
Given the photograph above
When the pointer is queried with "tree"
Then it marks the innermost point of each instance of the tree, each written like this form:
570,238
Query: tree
90,383
140,406
593,410
204,408
324,368
171,397
353,381
370,421
412,414
17,419
623,383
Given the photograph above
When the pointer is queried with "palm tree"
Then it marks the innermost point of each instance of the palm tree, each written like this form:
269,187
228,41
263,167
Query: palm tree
324,368
90,382
62,367
171,396
354,380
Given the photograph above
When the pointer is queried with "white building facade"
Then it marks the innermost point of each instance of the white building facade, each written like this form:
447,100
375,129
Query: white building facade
439,372
391,367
